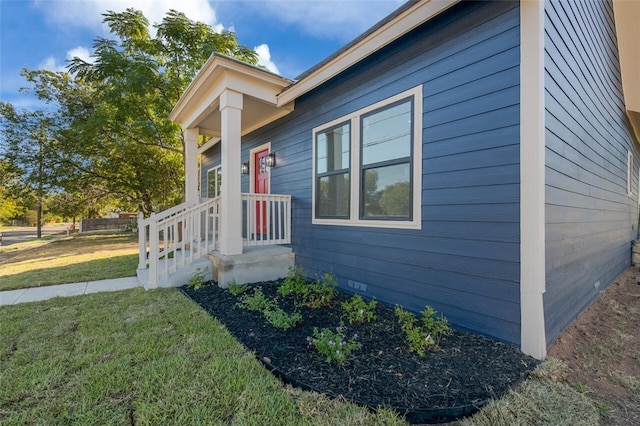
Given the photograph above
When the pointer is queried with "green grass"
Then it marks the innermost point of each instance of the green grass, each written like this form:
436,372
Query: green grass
77,258
145,358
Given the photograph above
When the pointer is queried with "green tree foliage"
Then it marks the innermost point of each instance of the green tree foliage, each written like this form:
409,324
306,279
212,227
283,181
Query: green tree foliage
137,79
104,134
30,150
10,206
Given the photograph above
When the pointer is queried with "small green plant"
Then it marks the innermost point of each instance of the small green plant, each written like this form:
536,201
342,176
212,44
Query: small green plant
256,302
198,279
313,294
295,284
279,319
275,315
333,345
425,333
321,292
237,289
359,311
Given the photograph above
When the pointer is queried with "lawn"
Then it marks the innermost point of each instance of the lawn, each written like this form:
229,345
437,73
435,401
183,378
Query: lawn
157,358
145,358
76,258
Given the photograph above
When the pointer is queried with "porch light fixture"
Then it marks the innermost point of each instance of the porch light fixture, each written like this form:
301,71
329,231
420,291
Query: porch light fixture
271,160
245,168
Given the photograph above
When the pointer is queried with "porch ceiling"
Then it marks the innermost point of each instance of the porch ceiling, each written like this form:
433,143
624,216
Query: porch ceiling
199,105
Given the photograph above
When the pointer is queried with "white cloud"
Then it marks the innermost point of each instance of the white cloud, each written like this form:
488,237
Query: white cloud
334,19
264,58
83,13
82,53
51,64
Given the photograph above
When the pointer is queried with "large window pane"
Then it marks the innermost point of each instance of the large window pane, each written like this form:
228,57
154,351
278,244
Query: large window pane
332,194
332,149
386,134
387,192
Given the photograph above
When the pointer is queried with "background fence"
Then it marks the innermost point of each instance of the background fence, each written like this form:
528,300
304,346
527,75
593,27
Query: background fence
106,224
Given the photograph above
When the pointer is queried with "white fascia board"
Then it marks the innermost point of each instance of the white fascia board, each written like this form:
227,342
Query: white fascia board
411,18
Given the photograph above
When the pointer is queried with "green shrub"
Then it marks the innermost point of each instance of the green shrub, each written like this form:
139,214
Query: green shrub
255,302
312,294
279,319
359,311
425,333
295,284
198,279
321,292
237,289
275,315
332,344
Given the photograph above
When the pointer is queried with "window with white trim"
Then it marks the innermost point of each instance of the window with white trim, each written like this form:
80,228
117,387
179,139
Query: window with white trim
214,181
367,166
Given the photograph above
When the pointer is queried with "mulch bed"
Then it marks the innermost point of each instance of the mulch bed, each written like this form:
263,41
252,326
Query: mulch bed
449,382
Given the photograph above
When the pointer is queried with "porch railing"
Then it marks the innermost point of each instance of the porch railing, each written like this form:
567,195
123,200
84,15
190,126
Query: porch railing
175,238
266,219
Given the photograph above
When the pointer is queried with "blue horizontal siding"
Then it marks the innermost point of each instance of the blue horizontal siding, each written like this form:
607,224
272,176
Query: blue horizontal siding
465,259
590,218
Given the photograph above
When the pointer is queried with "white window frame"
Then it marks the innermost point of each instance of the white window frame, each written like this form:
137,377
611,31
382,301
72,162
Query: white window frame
355,167
215,168
629,173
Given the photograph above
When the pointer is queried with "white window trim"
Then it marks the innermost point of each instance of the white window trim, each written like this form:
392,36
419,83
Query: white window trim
354,171
209,170
252,166
629,173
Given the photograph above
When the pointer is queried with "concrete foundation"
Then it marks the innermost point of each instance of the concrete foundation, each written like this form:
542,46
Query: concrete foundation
254,265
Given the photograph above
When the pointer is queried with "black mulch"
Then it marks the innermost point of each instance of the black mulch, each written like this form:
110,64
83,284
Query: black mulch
447,383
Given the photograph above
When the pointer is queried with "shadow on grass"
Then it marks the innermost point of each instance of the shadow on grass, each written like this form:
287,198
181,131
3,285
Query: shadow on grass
118,266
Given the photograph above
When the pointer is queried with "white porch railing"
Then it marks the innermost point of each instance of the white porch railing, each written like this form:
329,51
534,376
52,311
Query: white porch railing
175,238
266,219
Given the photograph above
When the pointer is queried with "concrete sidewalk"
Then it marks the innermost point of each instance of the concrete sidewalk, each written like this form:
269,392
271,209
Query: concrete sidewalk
35,294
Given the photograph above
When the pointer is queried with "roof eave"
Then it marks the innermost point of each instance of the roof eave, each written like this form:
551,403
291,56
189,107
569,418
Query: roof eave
399,23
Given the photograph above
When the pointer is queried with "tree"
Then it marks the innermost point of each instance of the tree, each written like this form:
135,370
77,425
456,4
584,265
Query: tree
137,79
29,148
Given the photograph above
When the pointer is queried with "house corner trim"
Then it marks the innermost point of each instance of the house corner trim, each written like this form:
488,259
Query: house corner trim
532,179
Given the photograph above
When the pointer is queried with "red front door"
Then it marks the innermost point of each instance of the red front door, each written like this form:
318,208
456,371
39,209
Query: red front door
261,186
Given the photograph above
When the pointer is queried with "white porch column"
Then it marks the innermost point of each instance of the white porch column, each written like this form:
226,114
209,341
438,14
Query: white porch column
191,137
230,198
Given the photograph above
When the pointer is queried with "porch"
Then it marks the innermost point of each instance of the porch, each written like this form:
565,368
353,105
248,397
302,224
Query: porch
235,236
185,240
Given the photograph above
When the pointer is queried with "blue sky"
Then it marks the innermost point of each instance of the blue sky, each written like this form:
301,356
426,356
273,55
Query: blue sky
289,35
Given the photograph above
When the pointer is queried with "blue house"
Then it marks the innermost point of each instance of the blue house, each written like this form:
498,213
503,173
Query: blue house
478,157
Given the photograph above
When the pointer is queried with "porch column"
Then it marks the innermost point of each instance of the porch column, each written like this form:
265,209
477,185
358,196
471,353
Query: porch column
191,137
230,198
